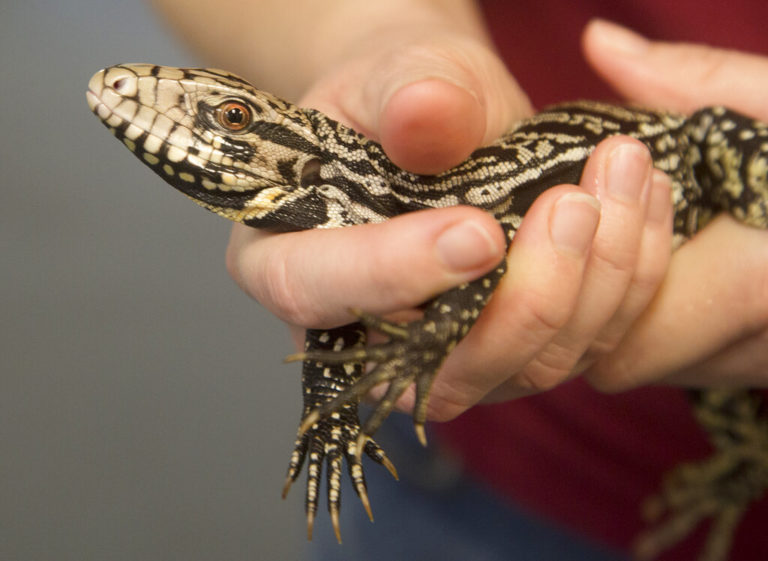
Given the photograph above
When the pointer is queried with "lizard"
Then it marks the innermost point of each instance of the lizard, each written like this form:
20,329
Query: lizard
256,159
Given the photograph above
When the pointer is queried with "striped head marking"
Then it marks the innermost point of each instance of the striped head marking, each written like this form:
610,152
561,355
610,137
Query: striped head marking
242,153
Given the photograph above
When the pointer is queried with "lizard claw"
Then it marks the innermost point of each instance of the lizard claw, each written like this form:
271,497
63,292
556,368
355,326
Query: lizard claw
331,441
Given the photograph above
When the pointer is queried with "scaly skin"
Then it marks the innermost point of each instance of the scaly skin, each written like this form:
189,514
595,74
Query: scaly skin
256,159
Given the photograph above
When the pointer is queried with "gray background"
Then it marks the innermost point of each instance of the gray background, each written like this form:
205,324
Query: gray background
144,409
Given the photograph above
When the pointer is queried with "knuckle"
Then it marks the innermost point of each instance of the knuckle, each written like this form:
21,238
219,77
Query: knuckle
543,316
647,279
712,63
280,294
442,409
549,368
604,344
614,258
614,265
540,378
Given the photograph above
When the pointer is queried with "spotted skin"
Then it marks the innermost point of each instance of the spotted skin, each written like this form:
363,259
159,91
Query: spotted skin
254,158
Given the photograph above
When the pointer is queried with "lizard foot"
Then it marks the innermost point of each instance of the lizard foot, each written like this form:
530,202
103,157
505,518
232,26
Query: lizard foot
333,439
413,354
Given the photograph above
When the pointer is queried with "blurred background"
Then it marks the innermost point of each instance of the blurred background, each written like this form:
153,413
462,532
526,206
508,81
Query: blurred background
145,412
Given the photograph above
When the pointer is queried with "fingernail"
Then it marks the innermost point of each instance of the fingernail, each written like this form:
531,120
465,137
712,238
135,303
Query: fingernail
659,203
466,245
573,223
417,78
619,39
627,172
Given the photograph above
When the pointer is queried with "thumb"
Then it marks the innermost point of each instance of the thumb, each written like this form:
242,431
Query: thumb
429,102
682,77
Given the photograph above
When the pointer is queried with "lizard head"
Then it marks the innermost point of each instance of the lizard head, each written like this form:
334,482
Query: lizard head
237,151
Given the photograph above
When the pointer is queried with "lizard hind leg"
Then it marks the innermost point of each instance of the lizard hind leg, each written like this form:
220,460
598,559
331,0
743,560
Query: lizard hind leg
333,439
720,487
413,354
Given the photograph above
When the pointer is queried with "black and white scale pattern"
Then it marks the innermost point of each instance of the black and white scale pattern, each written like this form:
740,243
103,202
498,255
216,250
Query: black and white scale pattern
285,168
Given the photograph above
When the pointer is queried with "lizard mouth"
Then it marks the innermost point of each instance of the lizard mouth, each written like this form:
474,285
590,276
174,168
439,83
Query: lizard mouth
93,99
94,92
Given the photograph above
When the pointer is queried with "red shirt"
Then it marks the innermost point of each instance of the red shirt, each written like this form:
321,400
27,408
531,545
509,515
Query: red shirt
580,458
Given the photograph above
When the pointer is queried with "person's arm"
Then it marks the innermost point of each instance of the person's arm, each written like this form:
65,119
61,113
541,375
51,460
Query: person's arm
431,90
286,48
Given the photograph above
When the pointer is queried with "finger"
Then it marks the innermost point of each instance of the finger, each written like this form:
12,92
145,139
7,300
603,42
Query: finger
743,362
430,102
712,297
620,173
534,300
313,278
652,263
683,77
431,125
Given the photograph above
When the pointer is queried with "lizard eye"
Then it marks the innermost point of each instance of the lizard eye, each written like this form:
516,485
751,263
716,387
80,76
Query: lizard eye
233,115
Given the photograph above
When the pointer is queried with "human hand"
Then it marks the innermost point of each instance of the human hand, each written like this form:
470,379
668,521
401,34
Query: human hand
573,286
708,324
